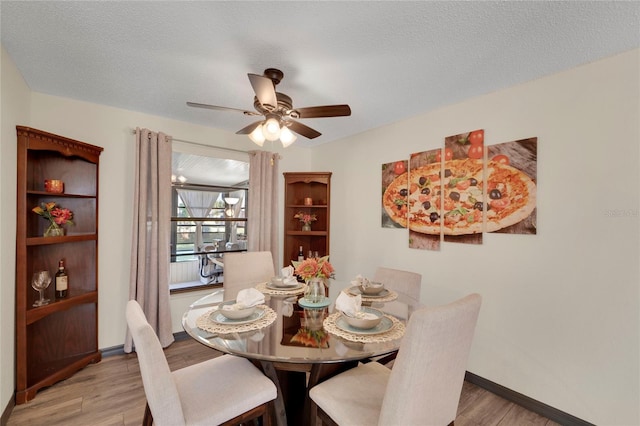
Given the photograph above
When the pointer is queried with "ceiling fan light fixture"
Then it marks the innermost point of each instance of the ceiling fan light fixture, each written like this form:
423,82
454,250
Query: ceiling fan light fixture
287,137
271,129
257,136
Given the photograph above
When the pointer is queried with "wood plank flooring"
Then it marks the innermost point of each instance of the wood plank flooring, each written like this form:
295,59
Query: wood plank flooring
111,393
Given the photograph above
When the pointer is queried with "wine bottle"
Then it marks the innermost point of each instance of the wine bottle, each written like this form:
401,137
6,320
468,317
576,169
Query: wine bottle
62,281
300,254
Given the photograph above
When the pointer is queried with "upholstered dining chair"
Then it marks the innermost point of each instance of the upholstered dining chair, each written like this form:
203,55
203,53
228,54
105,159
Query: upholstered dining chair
244,270
226,390
424,386
405,282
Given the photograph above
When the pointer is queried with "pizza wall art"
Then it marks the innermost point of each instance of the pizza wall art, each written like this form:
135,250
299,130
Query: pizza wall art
462,190
394,205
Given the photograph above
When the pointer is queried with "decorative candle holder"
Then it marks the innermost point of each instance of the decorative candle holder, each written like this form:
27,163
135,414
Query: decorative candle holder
54,186
308,201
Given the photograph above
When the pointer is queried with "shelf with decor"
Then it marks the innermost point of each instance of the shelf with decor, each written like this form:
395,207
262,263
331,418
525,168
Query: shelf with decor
59,176
306,193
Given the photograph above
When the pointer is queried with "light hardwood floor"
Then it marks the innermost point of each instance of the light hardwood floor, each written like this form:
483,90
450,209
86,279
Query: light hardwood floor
111,393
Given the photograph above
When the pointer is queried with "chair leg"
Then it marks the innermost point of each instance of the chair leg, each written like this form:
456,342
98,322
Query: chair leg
324,417
147,420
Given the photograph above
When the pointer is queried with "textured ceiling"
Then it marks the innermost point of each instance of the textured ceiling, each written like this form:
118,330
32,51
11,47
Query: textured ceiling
387,60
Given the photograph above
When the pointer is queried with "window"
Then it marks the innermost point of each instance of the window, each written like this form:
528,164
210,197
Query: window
209,215
207,218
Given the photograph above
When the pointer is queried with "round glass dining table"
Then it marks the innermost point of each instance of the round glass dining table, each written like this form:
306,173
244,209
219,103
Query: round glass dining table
296,346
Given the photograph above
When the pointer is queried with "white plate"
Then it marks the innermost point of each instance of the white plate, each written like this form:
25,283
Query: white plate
296,286
217,317
356,291
385,325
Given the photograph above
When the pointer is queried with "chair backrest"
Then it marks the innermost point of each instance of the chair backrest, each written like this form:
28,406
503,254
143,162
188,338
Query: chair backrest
404,282
427,378
159,387
244,270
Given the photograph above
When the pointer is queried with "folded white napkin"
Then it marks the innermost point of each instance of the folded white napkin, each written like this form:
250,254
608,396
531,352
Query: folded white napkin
359,280
288,279
287,271
246,298
350,305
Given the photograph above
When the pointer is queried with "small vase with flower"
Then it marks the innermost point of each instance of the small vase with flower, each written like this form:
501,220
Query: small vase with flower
56,216
316,273
306,219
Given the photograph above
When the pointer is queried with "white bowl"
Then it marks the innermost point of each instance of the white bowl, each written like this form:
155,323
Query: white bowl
237,312
364,323
372,288
277,281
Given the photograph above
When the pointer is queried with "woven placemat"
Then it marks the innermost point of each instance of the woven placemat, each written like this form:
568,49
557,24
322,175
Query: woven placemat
204,322
396,331
262,287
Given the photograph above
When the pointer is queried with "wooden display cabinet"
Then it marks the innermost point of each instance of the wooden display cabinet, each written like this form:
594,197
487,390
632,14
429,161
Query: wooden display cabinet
298,187
55,340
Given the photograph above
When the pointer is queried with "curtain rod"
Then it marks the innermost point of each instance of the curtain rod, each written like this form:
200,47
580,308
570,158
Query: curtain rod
204,145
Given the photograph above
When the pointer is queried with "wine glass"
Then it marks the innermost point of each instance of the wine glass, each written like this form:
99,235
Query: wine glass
40,282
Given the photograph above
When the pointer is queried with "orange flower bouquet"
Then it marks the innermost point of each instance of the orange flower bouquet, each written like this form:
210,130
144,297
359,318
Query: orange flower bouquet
314,268
305,218
56,216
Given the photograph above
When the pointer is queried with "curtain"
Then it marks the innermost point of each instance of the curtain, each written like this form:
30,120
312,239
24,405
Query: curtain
262,221
150,253
198,204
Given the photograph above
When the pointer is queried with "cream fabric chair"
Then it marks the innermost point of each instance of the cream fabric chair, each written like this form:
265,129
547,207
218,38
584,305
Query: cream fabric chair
424,386
405,282
224,390
244,270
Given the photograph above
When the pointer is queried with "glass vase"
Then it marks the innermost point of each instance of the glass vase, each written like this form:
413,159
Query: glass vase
54,230
306,227
315,291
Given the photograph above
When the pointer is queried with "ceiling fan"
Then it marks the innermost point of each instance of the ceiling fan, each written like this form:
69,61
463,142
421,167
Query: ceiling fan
278,111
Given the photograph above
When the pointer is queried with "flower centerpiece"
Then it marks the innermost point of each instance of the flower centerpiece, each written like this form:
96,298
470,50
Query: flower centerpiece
316,273
56,216
306,219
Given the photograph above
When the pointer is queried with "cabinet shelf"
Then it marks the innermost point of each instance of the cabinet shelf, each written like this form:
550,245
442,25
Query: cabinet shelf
303,206
40,241
297,188
309,233
55,340
36,313
60,195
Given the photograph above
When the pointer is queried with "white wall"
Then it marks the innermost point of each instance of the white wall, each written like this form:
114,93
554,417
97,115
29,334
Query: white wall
14,105
559,321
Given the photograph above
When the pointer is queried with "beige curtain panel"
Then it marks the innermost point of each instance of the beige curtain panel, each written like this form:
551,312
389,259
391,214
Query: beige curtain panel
263,198
150,254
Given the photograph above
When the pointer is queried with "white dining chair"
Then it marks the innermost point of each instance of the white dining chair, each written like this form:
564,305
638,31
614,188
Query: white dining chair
246,269
424,386
226,390
404,282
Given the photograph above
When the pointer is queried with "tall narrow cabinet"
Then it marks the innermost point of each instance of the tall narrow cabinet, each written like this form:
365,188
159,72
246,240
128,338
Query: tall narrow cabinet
55,340
307,192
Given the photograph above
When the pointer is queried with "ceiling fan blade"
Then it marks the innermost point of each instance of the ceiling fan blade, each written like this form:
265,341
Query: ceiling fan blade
265,90
302,130
323,111
250,128
220,108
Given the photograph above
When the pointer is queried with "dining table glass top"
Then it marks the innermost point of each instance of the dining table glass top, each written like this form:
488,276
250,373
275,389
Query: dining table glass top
283,331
